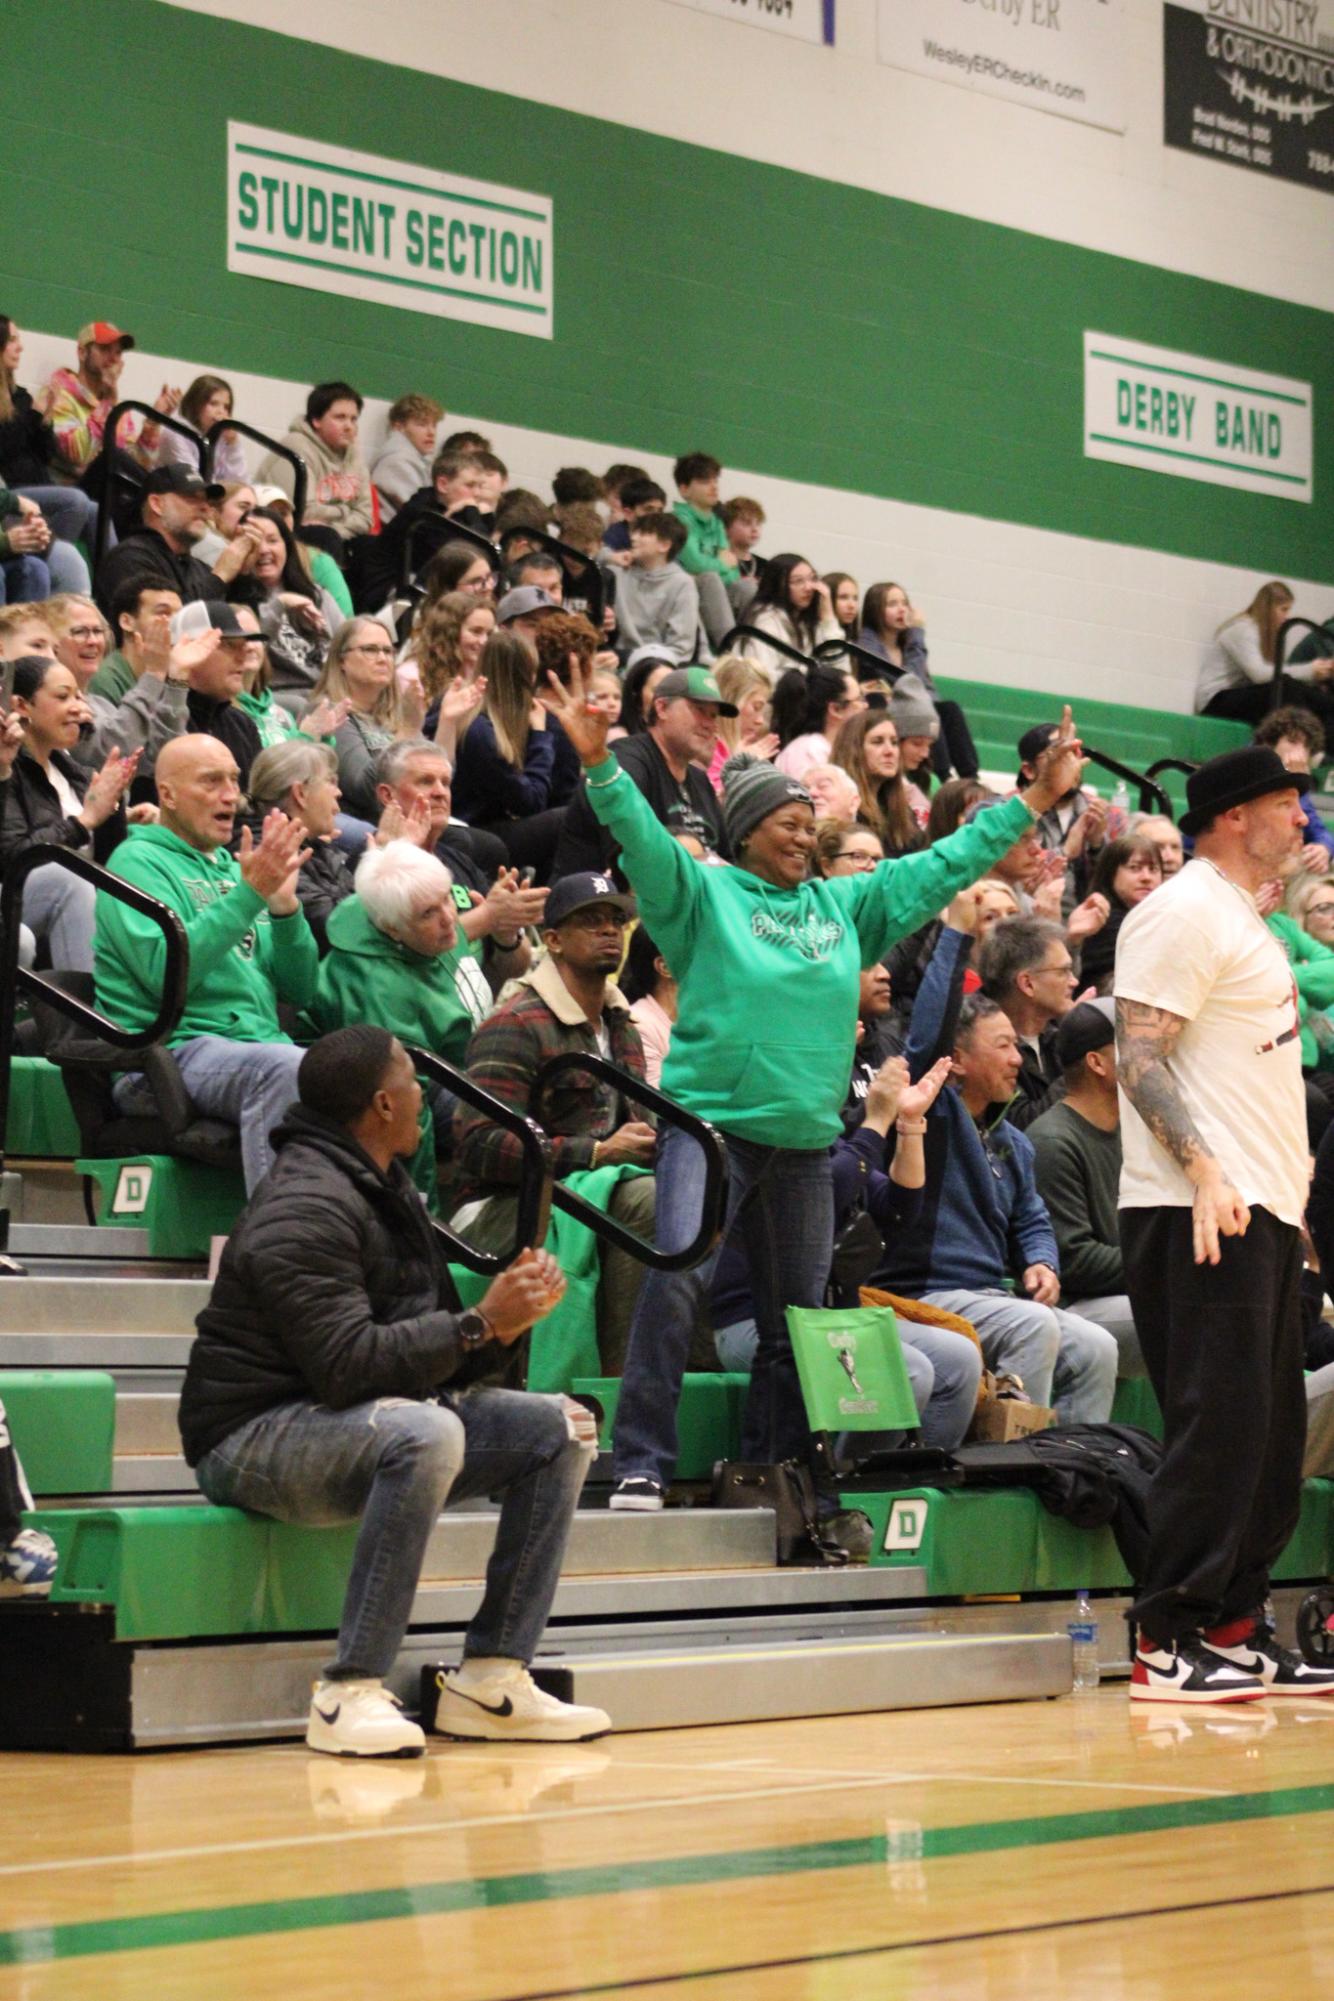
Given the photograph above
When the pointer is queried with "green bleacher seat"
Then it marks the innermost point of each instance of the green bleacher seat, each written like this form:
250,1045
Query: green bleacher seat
182,1204
998,1542
41,1123
1136,1403
998,717
63,1422
202,1572
708,1423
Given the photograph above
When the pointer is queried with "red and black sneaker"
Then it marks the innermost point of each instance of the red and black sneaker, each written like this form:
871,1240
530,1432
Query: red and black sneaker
1187,1670
1281,1669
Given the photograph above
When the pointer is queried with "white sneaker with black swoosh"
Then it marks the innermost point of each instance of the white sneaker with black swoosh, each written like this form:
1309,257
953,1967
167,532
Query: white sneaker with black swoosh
1281,1669
503,1705
1189,1671
361,1719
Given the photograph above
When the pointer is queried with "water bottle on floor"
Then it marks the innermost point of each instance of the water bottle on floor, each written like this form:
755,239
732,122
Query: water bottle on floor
1083,1631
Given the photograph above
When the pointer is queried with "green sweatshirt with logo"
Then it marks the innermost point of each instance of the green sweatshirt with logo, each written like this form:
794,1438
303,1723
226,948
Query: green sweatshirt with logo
706,545
242,961
767,1008
369,976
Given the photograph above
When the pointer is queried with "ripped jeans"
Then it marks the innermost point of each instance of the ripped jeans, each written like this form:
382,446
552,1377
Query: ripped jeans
391,1465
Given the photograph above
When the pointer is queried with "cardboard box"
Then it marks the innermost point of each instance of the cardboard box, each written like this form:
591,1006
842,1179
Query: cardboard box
1009,1418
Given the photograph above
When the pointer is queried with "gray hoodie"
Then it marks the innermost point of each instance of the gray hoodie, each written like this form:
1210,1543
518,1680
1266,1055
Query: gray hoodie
338,495
657,608
399,470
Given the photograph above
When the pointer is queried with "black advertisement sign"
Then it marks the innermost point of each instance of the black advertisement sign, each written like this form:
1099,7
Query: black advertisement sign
1251,82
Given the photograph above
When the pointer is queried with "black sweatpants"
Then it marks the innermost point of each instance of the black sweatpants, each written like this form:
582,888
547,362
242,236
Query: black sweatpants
1223,1346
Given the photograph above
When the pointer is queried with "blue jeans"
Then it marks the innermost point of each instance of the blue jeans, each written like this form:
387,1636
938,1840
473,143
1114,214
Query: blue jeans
782,1202
24,580
391,1465
944,1370
249,1083
72,517
1056,1355
58,906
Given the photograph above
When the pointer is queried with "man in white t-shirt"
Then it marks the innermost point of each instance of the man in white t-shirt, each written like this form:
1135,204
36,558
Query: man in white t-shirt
1213,1186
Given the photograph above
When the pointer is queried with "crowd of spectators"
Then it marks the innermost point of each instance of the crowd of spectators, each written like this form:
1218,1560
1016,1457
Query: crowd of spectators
335,742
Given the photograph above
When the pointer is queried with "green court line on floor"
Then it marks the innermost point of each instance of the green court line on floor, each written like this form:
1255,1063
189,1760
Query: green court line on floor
38,1944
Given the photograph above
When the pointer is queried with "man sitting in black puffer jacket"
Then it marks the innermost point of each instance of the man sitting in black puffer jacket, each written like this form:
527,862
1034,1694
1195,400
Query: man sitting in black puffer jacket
328,1383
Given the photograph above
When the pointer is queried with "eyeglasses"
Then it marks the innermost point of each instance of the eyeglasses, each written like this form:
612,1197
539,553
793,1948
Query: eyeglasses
380,652
1320,910
858,861
83,632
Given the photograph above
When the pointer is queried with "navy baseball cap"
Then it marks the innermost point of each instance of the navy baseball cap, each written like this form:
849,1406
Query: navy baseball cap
577,892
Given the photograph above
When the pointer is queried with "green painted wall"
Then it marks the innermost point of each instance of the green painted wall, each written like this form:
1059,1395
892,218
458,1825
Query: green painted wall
792,325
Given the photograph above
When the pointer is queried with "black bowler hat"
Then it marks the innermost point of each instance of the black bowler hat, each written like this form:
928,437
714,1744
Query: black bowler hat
1231,780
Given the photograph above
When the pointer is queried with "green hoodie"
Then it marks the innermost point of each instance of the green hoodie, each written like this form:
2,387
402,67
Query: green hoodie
706,541
242,961
274,723
767,1008
369,976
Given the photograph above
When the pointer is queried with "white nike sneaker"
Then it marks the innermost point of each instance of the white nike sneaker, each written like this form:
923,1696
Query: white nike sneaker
361,1719
505,1705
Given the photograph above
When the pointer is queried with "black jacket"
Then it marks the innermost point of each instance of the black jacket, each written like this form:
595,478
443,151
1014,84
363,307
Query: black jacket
382,555
586,844
230,724
145,553
27,445
30,811
330,1288
1039,1083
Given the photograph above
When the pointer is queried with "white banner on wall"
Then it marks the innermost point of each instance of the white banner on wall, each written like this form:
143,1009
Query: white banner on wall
303,213
1062,56
807,20
1197,419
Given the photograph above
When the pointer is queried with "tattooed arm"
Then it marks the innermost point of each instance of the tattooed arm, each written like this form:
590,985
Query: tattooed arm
1145,1039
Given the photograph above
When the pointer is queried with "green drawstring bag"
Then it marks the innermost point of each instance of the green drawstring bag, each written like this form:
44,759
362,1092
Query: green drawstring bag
851,1368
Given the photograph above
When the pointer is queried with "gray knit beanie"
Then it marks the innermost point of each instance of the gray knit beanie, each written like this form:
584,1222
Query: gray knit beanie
752,789
913,711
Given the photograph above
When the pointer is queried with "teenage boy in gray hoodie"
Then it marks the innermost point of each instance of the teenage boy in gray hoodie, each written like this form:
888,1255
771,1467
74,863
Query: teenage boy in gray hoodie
338,496
656,602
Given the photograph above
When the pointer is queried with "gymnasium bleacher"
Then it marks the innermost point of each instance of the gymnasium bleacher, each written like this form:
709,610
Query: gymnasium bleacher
198,1625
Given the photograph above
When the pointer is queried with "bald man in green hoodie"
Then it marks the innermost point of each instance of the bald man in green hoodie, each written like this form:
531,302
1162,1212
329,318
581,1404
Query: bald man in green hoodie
250,946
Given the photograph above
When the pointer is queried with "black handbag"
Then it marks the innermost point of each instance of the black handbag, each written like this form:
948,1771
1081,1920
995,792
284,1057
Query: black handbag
789,1490
858,1249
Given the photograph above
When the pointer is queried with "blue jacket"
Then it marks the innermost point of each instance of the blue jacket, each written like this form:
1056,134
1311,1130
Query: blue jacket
982,1219
1315,829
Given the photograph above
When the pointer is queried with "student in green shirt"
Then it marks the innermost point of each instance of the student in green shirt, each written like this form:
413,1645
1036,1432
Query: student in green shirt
767,961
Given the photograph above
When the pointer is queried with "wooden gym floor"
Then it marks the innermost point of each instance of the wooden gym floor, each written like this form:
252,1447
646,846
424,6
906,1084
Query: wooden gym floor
1032,1849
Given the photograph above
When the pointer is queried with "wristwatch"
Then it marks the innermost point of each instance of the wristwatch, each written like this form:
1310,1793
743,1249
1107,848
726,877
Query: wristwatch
474,1328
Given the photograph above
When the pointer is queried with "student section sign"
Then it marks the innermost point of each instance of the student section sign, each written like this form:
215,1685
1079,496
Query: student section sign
303,213
1197,419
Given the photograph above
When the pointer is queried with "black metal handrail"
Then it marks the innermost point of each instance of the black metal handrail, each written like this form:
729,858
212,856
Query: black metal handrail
16,979
535,1181
668,1113
1280,648
1151,797
744,631
300,471
867,665
579,570
113,470
457,533
1181,764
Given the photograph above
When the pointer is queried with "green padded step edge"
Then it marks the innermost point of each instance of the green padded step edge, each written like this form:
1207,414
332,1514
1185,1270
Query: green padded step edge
63,1424
182,1204
41,1124
201,1572
708,1421
980,1542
